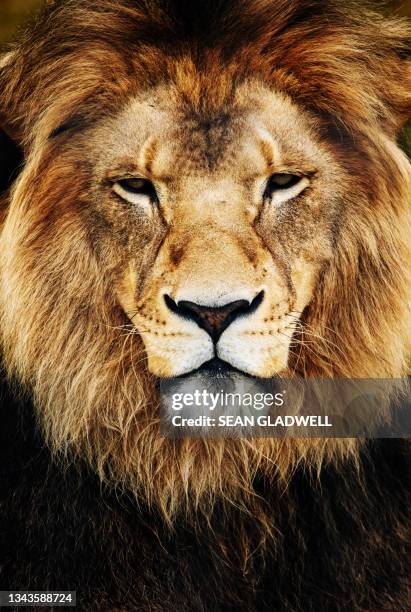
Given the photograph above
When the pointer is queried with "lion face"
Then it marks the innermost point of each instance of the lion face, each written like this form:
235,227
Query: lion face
221,222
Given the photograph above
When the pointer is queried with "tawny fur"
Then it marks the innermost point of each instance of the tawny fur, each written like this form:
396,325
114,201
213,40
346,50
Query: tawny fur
59,316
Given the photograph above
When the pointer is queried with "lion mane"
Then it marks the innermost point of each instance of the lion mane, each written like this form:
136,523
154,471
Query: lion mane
62,342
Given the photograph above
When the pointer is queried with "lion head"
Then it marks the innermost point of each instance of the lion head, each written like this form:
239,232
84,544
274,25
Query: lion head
208,185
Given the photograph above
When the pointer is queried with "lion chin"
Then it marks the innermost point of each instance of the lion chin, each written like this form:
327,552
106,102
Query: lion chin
193,200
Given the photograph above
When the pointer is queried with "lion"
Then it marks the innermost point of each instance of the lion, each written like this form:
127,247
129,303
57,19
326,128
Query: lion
201,188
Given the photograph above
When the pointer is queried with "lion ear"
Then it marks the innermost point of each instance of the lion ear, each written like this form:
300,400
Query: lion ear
11,150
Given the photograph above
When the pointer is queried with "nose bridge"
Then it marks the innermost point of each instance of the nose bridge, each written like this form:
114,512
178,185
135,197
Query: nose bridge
214,263
218,245
204,207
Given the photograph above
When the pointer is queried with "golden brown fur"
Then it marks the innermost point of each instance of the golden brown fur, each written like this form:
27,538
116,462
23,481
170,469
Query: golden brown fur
62,322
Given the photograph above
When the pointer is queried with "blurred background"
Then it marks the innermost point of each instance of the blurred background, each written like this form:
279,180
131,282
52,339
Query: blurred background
14,12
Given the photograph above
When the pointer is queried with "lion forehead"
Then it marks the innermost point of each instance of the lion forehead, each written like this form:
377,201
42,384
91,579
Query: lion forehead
164,133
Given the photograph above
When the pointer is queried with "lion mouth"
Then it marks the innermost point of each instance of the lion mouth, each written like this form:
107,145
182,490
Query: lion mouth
215,378
216,368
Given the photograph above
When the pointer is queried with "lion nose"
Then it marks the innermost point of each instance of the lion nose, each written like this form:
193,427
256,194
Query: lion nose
214,320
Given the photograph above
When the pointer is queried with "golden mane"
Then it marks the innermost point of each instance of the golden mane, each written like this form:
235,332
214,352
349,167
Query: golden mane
82,61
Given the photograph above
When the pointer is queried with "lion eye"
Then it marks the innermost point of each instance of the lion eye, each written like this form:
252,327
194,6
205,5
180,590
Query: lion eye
282,187
136,190
136,185
282,181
